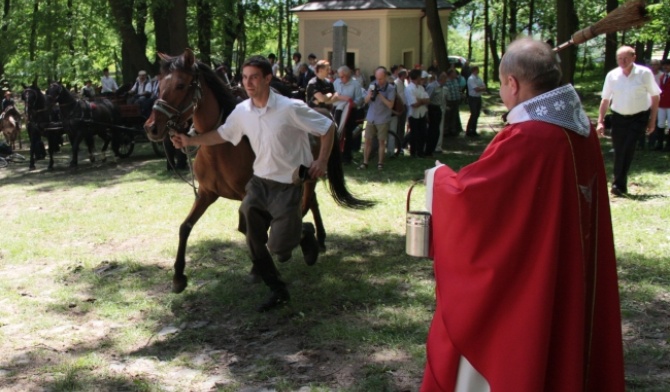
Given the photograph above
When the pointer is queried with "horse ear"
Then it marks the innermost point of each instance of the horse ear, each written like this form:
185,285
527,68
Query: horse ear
189,58
163,56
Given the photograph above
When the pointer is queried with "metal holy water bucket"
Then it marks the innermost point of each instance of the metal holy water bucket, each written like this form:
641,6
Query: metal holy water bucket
417,235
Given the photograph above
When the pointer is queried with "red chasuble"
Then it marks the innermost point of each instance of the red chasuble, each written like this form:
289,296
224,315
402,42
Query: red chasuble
525,268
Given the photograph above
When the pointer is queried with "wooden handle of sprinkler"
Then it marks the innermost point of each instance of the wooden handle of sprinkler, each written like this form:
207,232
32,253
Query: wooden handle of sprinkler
577,38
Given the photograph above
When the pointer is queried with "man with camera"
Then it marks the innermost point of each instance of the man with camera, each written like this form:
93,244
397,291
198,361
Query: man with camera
380,99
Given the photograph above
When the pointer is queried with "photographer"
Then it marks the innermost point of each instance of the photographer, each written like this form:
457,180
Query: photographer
380,98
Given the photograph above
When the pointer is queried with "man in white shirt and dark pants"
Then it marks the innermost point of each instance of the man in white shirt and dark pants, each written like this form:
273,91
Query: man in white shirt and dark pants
633,94
278,129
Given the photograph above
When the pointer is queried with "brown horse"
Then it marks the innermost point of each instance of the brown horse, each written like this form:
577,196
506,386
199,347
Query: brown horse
11,126
191,90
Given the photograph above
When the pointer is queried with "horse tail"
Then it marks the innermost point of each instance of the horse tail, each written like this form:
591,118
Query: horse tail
338,187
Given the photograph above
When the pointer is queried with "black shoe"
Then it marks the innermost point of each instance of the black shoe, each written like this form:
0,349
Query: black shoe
277,298
309,244
617,192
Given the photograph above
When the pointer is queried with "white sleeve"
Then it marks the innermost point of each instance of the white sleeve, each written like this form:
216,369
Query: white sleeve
309,120
607,88
231,130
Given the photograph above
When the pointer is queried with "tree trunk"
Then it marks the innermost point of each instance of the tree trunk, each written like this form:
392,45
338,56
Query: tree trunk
639,52
531,16
487,39
566,24
649,50
241,37
133,51
611,43
5,22
178,31
435,29
280,38
289,26
472,27
204,17
513,9
229,30
494,53
503,35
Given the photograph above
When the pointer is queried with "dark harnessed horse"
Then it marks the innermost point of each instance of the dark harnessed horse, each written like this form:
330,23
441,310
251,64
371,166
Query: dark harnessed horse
191,90
82,120
39,117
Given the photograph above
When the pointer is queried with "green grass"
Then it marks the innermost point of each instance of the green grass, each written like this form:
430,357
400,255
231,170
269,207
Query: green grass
85,271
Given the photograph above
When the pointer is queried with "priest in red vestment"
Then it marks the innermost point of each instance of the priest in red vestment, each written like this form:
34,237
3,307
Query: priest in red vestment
527,294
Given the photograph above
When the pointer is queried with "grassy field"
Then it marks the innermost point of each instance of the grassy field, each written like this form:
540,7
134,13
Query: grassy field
85,271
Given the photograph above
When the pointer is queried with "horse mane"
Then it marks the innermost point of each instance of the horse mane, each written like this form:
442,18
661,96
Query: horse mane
222,92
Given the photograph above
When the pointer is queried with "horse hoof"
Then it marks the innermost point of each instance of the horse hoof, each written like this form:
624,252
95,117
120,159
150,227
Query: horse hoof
322,248
32,167
179,284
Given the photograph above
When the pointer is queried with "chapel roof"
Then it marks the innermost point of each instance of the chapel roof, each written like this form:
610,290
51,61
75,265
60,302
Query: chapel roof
353,5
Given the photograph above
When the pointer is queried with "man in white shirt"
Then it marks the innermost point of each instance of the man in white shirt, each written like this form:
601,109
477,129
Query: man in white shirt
475,89
633,94
417,101
278,129
141,93
108,83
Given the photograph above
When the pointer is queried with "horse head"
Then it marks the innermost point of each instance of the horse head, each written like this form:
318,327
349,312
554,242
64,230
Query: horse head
33,98
183,84
56,92
179,93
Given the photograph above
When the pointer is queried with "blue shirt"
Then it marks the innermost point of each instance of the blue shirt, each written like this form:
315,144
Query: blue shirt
378,113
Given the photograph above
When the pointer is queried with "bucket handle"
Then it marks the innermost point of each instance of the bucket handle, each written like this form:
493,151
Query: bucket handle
409,193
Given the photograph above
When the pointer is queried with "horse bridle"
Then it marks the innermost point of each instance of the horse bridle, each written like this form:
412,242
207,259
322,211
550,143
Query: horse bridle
176,120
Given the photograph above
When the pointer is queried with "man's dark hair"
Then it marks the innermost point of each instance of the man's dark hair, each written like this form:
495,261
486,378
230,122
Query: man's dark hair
259,62
272,56
403,72
415,74
297,54
105,69
394,68
665,62
311,56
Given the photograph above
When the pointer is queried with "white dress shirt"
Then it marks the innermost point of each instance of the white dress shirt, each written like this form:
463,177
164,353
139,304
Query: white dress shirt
630,94
278,134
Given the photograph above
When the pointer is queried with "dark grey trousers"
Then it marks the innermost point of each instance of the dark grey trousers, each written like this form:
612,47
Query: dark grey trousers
275,206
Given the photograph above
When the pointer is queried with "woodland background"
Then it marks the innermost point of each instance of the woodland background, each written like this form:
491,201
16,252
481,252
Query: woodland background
72,40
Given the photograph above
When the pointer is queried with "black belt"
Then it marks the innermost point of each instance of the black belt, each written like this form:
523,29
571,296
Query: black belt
638,114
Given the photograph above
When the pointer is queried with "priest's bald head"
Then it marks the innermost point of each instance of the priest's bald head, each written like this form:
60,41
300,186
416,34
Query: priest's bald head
528,68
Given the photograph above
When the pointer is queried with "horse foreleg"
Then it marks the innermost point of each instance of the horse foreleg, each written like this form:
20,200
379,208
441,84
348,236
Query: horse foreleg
90,143
53,141
311,203
202,202
75,139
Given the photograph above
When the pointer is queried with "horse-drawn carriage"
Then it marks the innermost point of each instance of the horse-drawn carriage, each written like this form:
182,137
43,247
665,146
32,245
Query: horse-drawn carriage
113,120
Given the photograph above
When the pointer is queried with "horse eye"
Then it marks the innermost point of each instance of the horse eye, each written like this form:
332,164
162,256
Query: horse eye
181,86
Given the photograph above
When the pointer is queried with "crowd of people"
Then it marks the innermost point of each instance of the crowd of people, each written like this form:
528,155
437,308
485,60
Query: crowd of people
422,107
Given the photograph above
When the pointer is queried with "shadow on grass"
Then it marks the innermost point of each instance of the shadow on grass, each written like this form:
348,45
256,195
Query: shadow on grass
356,298
356,319
67,369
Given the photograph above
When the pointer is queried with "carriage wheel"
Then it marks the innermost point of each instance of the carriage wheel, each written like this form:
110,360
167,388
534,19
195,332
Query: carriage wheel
159,149
126,145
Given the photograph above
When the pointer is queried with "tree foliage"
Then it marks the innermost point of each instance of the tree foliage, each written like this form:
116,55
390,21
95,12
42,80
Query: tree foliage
72,40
